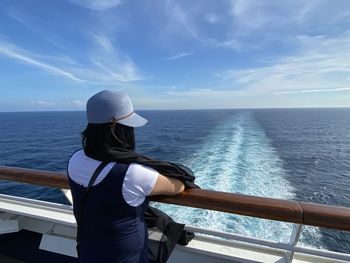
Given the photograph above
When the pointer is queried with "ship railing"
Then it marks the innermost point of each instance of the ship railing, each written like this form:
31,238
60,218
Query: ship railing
297,212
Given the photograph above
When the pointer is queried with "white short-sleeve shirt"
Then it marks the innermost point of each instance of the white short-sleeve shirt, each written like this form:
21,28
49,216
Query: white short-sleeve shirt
138,182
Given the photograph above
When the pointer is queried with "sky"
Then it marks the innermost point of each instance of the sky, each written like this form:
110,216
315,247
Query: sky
167,54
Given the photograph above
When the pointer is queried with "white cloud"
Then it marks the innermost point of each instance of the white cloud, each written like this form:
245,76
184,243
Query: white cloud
19,18
211,18
250,16
182,22
180,55
76,103
113,64
323,64
203,98
13,52
104,41
199,92
43,103
107,68
34,24
179,20
97,5
234,44
313,91
245,25
262,24
125,72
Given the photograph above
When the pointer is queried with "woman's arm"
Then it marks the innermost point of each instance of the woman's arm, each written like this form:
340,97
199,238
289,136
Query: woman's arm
167,186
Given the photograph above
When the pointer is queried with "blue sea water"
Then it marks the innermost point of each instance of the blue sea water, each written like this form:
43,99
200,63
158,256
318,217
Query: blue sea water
295,154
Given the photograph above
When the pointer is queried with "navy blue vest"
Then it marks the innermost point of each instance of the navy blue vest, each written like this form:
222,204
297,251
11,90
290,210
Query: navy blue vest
112,230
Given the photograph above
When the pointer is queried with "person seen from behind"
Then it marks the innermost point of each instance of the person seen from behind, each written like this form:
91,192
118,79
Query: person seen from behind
110,197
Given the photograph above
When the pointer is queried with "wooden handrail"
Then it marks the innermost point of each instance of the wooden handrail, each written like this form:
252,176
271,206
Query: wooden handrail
335,217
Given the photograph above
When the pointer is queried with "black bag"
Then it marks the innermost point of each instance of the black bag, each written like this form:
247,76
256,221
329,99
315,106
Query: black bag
172,233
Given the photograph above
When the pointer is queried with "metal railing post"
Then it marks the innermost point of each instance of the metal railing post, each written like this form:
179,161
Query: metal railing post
294,238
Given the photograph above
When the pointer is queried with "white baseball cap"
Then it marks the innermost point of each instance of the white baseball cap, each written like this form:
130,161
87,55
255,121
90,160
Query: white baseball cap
107,106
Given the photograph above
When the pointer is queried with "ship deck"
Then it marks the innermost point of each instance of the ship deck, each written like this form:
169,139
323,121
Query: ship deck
5,259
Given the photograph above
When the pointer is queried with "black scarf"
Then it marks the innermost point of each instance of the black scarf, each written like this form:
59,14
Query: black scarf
168,169
172,233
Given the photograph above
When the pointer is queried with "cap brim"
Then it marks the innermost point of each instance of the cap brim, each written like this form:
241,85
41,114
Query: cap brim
133,120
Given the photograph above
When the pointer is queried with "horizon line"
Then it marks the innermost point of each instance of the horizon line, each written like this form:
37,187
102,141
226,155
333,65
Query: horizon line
197,109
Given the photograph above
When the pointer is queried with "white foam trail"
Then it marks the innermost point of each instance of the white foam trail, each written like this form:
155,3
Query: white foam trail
224,147
238,157
212,164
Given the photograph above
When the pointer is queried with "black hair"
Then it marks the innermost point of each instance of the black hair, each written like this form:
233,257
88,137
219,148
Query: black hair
97,138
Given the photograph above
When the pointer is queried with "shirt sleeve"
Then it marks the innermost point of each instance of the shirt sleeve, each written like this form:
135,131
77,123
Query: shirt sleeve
138,183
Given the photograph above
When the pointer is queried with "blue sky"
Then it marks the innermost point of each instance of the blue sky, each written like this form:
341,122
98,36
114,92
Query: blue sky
175,54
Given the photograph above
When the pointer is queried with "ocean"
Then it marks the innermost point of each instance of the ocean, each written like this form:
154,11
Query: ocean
294,154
